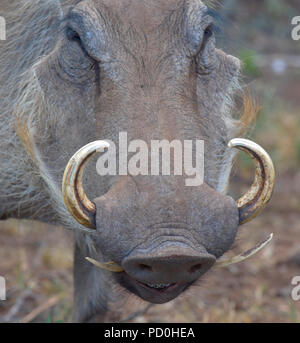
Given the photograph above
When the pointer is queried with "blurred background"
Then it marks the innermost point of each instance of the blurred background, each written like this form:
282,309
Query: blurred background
36,259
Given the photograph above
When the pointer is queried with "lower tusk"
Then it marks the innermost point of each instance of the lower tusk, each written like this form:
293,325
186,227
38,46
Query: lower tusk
110,266
116,268
245,255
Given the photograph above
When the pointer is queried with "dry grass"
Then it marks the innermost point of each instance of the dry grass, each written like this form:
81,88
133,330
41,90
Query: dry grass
36,260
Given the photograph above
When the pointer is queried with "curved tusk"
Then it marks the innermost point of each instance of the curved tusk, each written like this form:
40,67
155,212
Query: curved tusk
110,266
245,255
116,268
251,204
76,201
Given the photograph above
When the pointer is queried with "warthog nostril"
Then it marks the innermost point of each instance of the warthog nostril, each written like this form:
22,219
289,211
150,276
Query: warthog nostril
144,267
196,268
167,266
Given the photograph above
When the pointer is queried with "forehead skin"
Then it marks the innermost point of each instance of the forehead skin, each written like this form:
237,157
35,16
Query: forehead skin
146,15
119,28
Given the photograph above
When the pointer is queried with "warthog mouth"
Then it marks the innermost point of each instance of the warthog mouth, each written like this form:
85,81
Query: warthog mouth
158,285
158,293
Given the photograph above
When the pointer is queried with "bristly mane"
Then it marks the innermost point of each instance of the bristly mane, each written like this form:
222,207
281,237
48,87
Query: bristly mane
31,33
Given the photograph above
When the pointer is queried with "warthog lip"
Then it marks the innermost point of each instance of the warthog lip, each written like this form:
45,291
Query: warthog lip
158,285
157,293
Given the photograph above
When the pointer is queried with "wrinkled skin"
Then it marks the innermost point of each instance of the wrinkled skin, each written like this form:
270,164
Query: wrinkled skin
150,69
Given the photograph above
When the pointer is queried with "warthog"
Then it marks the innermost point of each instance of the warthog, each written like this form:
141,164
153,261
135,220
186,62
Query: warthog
75,73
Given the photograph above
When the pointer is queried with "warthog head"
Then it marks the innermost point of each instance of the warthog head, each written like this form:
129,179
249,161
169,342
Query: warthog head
150,69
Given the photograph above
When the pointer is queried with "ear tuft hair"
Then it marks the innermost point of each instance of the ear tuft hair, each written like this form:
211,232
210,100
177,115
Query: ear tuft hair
250,111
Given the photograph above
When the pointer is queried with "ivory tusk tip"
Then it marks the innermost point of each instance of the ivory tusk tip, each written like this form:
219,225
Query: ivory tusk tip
104,145
229,144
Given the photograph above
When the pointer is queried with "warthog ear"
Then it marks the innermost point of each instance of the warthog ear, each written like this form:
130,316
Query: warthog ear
259,194
76,201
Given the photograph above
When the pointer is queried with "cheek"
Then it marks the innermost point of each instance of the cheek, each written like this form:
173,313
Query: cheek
74,65
229,69
206,62
221,82
62,93
69,64
69,111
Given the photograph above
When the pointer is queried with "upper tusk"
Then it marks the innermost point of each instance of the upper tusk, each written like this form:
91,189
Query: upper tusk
76,201
245,255
259,194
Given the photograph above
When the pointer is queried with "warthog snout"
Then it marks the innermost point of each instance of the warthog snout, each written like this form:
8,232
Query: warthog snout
164,272
154,269
164,266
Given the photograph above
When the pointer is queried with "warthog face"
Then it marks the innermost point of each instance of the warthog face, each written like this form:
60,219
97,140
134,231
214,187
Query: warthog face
150,69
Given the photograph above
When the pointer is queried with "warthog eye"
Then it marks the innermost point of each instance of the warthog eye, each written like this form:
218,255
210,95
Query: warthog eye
208,33
72,35
205,57
75,61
